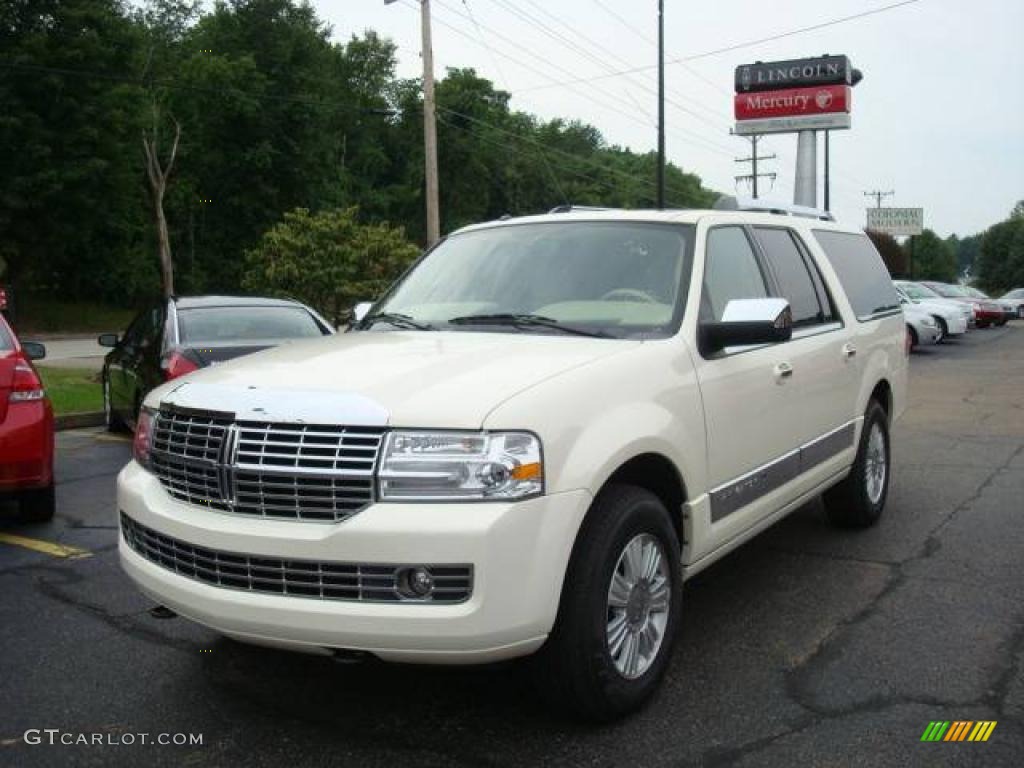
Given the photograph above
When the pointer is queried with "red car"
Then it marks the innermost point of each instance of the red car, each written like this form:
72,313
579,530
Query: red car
26,428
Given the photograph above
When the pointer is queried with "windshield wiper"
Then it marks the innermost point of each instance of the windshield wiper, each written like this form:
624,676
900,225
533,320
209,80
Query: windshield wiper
398,320
523,321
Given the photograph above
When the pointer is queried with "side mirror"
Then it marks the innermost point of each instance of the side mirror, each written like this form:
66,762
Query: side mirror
107,340
748,322
360,310
34,350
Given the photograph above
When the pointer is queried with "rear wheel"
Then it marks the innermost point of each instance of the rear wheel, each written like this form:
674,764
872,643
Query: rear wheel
619,611
858,501
38,506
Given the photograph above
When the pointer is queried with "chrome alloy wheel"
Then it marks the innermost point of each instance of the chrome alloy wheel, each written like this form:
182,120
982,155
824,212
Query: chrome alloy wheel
638,605
877,464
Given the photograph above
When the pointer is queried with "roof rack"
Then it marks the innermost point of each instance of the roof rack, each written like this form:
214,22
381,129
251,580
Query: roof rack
569,208
730,203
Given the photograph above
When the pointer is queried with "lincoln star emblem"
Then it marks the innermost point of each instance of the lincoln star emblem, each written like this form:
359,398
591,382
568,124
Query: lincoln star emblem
823,99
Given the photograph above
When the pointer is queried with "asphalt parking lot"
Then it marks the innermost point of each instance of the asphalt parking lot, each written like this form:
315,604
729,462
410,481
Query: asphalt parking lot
809,646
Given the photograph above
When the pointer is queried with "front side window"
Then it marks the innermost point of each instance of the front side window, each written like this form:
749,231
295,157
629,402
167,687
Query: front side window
620,279
222,325
792,273
861,272
731,272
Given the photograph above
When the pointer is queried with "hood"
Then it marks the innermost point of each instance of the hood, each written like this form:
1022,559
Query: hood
436,379
941,306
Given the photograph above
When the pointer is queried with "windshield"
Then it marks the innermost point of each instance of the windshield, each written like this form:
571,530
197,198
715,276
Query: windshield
949,291
227,325
918,292
622,279
976,293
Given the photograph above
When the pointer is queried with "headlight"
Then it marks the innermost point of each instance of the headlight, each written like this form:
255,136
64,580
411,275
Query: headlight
451,466
143,437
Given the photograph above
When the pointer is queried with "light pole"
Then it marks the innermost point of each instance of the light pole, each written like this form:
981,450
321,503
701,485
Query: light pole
661,104
429,127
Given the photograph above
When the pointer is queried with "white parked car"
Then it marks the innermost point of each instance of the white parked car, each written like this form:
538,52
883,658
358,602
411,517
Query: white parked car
1015,299
952,317
527,445
922,327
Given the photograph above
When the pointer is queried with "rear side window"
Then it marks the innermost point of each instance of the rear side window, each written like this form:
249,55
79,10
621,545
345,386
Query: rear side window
730,272
792,273
6,342
223,325
860,269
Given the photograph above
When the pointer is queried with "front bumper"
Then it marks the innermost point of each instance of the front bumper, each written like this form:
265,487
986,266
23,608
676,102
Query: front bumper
519,552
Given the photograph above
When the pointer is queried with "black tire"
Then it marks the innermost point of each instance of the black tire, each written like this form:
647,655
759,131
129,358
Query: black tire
38,506
943,329
575,670
913,336
115,423
851,504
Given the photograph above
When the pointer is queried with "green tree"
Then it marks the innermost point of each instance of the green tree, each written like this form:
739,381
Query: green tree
1001,258
930,258
328,259
892,254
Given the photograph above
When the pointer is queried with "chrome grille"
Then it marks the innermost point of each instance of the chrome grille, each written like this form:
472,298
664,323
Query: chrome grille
185,455
281,471
299,578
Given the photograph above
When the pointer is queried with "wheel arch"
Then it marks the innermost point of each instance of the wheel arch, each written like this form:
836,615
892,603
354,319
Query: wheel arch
658,474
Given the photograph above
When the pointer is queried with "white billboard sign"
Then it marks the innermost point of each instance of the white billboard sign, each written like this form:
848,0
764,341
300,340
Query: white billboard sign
830,121
898,222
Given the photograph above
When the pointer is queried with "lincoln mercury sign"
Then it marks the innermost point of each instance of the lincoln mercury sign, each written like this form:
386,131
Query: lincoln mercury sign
794,95
898,222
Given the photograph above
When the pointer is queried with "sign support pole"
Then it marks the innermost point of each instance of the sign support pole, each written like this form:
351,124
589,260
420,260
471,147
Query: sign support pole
805,190
827,180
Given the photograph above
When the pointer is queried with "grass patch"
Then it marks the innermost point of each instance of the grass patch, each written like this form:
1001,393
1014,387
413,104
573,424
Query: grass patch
42,315
72,390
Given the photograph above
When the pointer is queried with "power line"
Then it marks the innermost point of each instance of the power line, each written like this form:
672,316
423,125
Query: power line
728,48
692,138
501,74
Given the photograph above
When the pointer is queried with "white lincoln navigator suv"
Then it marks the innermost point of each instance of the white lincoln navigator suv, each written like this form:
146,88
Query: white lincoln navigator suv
527,445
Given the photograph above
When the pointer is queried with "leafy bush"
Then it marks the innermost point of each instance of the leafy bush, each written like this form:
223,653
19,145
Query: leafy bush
327,259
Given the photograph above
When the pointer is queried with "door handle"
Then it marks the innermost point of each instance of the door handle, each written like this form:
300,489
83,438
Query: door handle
849,350
783,371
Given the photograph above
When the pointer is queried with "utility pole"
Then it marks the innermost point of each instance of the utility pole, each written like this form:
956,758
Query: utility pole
430,131
879,195
661,104
754,158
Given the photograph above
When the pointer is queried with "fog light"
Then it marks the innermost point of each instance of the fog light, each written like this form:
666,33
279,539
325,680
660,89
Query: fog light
415,582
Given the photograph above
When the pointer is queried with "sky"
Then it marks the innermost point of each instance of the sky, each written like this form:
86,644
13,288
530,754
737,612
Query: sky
938,118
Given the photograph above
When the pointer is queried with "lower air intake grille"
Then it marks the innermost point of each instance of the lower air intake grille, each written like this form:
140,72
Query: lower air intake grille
298,578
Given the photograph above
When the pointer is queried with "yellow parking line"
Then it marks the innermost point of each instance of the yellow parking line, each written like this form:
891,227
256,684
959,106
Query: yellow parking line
46,547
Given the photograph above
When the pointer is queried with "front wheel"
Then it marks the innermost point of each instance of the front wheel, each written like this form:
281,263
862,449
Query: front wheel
619,611
943,329
858,501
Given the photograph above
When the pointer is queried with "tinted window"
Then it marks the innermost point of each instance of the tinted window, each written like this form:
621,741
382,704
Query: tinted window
730,272
792,274
861,271
221,325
